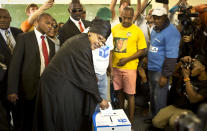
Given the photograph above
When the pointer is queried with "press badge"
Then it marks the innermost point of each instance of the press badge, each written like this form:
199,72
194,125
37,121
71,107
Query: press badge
153,49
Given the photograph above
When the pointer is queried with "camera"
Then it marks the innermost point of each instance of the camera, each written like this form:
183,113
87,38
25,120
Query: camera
191,122
188,122
185,19
187,65
202,114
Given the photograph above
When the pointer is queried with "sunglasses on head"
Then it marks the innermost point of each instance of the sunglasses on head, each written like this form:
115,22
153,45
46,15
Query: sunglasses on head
77,10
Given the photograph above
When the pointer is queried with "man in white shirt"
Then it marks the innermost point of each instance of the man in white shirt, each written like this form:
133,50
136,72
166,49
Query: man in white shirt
32,54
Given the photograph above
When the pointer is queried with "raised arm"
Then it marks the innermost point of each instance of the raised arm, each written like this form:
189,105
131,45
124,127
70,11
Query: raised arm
44,7
138,10
112,8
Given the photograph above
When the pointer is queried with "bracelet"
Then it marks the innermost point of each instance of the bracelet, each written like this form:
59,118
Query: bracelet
186,79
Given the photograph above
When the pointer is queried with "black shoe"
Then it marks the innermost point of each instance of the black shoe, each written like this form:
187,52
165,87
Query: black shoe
148,121
152,128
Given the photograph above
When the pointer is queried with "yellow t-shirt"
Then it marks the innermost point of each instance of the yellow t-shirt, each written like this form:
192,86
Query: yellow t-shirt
126,43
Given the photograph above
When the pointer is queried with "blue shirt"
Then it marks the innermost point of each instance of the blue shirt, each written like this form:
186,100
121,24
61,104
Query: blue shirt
164,44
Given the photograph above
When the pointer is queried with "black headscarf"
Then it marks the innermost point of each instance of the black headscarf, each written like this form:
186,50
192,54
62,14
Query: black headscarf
101,27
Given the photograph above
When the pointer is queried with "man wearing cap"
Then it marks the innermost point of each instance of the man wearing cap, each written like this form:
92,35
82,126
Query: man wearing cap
162,57
102,57
69,92
194,82
129,44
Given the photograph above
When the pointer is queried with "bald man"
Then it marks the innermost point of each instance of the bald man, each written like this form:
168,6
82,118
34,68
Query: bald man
7,42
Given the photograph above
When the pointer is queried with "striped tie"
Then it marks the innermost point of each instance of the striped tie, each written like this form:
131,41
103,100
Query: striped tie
8,41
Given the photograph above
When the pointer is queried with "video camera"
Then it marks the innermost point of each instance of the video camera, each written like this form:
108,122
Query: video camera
193,122
185,19
188,122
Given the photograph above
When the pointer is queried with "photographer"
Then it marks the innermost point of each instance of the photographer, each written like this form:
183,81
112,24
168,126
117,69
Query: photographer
202,25
187,96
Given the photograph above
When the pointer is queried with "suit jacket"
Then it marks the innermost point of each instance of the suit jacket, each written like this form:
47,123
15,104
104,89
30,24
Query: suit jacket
24,72
6,58
69,29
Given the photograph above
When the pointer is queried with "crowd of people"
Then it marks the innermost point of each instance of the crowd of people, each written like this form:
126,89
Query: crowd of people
54,76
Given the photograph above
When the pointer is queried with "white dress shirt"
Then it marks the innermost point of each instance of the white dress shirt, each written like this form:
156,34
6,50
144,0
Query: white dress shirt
39,41
76,23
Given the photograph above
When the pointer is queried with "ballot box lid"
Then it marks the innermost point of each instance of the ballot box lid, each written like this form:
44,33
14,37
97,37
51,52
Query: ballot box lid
113,119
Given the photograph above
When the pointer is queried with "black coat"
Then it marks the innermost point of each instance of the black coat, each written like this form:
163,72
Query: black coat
68,92
5,59
24,72
69,29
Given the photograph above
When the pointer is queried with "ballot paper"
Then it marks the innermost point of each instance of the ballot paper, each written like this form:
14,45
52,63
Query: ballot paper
107,111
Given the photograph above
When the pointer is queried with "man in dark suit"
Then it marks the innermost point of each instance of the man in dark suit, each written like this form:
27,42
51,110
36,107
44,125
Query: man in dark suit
8,37
74,25
31,55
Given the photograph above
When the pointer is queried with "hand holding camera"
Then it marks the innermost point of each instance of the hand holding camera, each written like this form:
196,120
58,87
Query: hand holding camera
185,71
187,64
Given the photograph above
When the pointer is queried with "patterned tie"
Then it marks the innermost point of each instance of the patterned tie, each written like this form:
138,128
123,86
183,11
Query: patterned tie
8,41
81,27
44,51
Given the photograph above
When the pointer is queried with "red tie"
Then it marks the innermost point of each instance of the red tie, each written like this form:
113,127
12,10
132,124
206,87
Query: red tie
44,51
81,27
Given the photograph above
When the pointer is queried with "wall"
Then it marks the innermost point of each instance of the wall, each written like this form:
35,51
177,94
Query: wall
172,2
58,11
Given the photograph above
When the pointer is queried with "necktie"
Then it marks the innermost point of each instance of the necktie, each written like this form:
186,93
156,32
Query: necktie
81,27
8,41
44,51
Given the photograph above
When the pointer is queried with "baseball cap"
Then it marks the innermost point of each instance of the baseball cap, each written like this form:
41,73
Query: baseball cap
159,11
104,13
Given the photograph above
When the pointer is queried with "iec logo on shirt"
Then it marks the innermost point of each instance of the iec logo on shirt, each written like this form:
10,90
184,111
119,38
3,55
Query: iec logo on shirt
153,49
104,51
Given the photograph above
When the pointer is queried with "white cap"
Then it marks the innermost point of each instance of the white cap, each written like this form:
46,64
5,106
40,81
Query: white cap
159,11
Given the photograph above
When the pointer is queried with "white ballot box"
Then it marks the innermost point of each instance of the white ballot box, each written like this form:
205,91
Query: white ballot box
115,120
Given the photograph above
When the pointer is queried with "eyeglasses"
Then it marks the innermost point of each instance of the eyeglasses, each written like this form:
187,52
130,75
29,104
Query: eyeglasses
77,10
103,43
54,26
100,39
